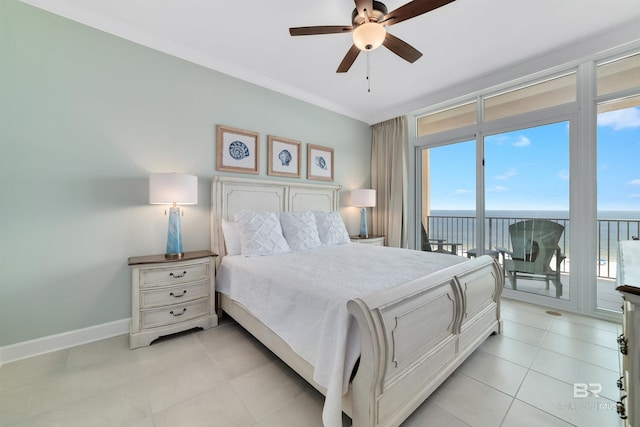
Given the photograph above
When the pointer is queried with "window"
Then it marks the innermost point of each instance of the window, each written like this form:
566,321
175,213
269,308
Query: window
618,75
549,93
618,183
535,155
449,200
618,190
527,207
451,118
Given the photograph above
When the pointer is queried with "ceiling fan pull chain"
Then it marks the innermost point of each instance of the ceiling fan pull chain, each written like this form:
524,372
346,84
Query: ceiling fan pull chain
369,72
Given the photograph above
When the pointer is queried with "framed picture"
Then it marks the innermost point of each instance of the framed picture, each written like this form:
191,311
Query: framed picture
284,157
319,162
237,150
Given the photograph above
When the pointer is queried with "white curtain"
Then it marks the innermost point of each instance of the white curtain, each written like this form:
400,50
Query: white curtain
389,149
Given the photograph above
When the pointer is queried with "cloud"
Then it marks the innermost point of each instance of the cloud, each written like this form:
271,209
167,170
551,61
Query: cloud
497,139
634,182
523,141
563,174
508,174
620,119
498,188
461,191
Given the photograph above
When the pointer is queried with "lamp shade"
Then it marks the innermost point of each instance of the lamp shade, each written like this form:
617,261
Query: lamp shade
363,198
369,36
169,188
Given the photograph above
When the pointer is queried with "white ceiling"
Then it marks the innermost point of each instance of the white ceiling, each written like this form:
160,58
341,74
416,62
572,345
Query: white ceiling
463,42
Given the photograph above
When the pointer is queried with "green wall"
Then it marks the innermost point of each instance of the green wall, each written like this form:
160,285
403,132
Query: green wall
85,117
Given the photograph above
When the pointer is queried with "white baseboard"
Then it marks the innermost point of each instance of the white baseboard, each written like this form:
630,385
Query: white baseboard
26,349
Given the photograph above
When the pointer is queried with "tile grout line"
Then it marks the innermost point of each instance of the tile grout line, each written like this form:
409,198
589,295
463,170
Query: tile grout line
527,373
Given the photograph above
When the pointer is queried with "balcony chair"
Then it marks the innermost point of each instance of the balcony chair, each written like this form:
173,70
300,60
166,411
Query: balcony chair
440,244
535,243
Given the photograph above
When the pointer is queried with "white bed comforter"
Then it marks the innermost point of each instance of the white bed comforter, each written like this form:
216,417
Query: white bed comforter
302,296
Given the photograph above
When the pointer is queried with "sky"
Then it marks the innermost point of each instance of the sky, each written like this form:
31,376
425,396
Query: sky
529,169
619,160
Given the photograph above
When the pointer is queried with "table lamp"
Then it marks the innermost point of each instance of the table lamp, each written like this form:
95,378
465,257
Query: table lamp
173,189
364,199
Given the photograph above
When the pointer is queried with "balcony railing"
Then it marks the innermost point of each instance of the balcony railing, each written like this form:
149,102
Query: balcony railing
462,230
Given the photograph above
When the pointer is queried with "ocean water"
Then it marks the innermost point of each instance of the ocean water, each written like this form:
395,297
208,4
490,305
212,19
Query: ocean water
460,226
609,215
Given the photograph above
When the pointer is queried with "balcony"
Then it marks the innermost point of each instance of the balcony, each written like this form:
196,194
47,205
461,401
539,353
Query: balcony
462,230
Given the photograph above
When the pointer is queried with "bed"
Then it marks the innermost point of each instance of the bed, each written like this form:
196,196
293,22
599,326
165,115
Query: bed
410,336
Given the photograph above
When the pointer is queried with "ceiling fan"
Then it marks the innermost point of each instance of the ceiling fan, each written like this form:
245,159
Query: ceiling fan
369,20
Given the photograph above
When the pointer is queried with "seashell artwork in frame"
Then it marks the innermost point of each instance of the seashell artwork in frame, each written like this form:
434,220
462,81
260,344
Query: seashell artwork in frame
284,157
319,163
237,150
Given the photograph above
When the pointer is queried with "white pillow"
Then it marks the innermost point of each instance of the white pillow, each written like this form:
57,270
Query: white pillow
299,228
331,228
260,233
231,233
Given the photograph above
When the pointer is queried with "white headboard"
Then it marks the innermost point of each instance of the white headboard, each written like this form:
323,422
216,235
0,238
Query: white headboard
230,195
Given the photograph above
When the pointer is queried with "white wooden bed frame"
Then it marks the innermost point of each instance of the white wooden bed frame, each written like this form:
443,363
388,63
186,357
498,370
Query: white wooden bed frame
413,336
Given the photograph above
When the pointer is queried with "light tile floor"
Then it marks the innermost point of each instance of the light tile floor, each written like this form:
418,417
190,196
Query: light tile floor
224,377
606,296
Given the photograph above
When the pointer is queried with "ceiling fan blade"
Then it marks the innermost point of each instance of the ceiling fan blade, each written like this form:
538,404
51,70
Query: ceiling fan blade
321,29
401,48
412,9
361,5
348,59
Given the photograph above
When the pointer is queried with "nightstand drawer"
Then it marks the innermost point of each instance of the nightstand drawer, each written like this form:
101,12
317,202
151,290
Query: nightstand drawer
371,240
169,276
173,314
174,294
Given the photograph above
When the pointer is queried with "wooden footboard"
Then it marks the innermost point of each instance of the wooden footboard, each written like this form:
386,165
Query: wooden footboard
415,335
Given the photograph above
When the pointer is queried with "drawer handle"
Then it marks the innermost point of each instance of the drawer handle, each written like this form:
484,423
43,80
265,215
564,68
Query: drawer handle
622,343
177,276
184,310
620,383
179,295
620,409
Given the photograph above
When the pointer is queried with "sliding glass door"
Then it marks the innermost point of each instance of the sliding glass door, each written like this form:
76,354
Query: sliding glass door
552,190
526,195
448,210
618,191
618,176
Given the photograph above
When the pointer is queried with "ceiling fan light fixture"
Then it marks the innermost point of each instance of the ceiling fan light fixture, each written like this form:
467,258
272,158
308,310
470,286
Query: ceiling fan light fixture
369,36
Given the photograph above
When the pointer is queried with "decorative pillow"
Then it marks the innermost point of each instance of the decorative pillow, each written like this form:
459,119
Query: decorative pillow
231,233
299,228
331,228
260,233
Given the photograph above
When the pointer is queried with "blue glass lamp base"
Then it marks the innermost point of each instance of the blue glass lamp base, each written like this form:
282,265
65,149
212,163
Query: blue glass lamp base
364,228
174,235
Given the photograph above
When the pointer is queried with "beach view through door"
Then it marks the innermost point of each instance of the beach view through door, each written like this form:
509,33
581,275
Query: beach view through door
448,210
527,207
618,191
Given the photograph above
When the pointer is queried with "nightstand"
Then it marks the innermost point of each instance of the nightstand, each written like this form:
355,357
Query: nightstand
371,240
171,295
